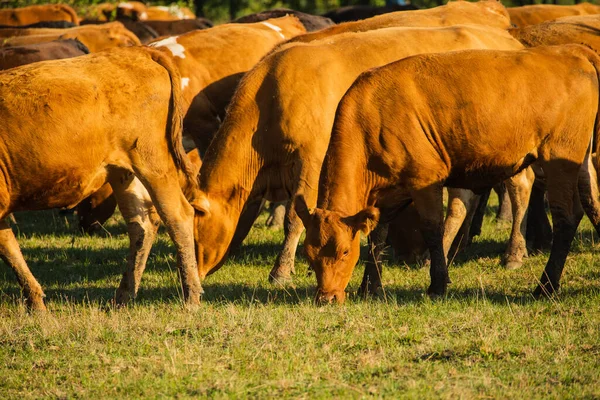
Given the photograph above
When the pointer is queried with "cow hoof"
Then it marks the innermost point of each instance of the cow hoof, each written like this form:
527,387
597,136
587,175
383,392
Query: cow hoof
121,297
281,276
510,265
544,291
35,304
436,293
370,289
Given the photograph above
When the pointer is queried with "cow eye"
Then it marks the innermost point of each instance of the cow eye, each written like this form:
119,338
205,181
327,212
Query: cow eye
345,253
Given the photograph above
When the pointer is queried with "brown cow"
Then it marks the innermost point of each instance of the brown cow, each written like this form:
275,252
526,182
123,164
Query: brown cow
11,57
278,125
487,12
33,14
211,63
405,130
95,37
538,13
164,13
89,135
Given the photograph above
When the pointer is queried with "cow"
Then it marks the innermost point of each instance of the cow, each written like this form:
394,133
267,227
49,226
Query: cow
211,63
33,14
43,24
143,32
405,130
11,57
486,12
178,27
95,37
164,13
310,22
278,125
86,134
358,12
538,13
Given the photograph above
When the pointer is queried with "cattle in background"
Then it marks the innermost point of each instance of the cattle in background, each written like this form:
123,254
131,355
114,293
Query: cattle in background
358,12
486,12
92,135
32,14
310,22
43,24
211,63
164,13
11,57
143,32
278,138
178,27
379,159
95,37
538,13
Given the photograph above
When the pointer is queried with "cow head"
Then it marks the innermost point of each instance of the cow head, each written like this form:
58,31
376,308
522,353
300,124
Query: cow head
332,246
213,231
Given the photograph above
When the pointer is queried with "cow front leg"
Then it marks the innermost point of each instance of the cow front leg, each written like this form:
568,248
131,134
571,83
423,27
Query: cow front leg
283,269
371,282
12,256
429,205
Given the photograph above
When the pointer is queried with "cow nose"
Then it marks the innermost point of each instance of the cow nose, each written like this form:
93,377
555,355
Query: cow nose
325,298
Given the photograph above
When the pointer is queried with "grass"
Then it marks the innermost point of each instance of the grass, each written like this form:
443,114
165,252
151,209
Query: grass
487,339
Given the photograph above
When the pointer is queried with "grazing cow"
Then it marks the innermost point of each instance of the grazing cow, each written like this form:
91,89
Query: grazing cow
486,12
278,138
358,12
211,63
310,22
86,133
538,13
178,27
11,57
95,37
33,14
405,130
43,24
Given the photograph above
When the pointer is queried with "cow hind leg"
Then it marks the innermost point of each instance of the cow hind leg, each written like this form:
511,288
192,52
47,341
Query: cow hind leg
142,224
10,252
566,210
589,193
461,202
371,282
283,269
429,205
519,190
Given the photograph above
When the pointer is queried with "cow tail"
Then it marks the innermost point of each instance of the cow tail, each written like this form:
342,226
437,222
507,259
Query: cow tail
175,118
71,12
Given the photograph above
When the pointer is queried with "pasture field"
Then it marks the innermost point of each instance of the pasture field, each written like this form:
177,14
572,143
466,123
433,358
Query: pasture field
487,339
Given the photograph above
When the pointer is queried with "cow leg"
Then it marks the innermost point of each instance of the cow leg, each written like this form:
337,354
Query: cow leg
477,222
249,215
178,216
142,221
567,212
589,193
504,207
277,215
519,190
371,282
284,265
429,205
10,252
460,203
539,230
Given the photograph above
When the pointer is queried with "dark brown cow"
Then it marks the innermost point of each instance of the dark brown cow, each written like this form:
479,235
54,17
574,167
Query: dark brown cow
358,12
11,57
310,22
178,27
405,130
90,135
33,14
43,24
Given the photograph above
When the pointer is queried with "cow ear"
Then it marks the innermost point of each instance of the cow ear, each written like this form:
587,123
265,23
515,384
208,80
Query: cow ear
201,204
302,210
364,220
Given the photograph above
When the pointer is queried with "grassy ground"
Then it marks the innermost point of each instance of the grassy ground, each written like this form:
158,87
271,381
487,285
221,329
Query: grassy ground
487,339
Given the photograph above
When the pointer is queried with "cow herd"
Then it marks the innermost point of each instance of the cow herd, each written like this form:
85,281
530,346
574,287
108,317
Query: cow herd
356,126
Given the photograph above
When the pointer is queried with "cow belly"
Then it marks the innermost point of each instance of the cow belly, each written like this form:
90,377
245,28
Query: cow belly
64,189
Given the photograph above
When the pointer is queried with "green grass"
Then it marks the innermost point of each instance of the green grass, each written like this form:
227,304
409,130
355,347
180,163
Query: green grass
487,339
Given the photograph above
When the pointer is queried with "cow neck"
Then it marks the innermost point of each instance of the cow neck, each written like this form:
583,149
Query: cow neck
231,165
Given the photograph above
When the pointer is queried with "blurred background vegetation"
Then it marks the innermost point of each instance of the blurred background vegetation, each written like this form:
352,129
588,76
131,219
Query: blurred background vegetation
223,10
